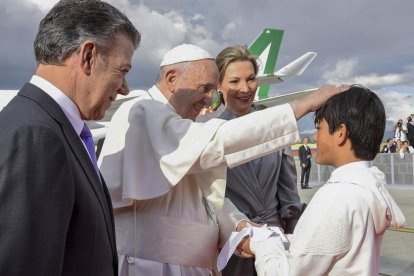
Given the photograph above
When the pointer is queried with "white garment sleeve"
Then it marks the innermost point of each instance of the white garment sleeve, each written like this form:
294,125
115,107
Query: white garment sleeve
249,137
321,237
270,257
154,148
228,219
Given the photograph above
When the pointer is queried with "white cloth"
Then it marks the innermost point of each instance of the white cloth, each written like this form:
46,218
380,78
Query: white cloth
341,230
159,166
256,234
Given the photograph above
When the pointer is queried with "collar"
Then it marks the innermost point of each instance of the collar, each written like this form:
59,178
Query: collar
66,104
352,165
227,114
157,95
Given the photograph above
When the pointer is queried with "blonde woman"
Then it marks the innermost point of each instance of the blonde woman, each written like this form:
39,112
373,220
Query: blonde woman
263,189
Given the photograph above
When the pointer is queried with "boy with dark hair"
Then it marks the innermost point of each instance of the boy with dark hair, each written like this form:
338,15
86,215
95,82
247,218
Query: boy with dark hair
341,230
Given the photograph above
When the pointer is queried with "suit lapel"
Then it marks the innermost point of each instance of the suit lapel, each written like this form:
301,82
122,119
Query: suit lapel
54,110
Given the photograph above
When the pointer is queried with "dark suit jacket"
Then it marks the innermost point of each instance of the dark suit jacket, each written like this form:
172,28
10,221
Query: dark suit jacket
391,149
410,133
303,155
55,216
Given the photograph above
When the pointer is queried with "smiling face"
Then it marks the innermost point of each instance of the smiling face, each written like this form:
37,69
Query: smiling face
192,87
239,86
106,79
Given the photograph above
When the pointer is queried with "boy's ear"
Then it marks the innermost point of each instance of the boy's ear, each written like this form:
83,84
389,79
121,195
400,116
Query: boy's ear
341,134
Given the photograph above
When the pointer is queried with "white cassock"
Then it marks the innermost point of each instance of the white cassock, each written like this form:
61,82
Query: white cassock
160,169
341,230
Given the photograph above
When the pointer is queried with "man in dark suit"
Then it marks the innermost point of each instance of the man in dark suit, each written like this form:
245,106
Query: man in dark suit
389,147
305,155
410,131
55,212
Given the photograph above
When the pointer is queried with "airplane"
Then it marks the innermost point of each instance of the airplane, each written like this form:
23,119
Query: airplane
266,47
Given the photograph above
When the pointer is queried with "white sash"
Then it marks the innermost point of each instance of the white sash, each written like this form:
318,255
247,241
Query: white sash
168,240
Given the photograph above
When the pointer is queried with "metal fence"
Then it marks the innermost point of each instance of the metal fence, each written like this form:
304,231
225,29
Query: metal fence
397,170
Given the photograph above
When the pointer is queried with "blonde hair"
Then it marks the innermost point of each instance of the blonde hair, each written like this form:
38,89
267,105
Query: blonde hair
232,54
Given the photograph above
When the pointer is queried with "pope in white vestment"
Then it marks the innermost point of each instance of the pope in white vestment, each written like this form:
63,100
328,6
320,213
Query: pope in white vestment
166,178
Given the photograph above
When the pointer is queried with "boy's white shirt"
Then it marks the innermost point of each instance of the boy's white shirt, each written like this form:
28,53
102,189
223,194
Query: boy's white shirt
341,230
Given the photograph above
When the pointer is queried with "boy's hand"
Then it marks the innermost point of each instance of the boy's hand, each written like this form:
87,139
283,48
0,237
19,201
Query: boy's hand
243,249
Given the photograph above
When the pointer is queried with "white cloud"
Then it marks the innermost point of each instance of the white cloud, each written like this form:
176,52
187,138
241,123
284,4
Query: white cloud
162,31
392,79
398,105
44,5
343,70
374,80
359,45
228,31
198,17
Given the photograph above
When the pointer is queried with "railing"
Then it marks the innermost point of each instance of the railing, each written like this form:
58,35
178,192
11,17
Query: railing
397,171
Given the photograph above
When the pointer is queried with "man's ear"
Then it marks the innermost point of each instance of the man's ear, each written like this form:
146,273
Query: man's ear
88,56
171,77
341,134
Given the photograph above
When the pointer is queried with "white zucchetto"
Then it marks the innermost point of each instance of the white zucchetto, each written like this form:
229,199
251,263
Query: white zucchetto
184,52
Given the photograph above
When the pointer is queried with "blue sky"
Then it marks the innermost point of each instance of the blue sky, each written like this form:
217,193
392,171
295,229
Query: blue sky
357,41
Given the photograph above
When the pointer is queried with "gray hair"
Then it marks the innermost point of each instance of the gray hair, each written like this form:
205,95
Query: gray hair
71,22
181,67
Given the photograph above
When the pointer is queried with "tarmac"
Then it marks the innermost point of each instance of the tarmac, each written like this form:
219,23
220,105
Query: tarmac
398,244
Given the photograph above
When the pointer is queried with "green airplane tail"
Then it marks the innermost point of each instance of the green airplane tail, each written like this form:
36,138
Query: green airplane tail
266,47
